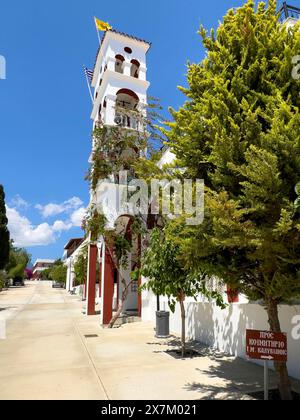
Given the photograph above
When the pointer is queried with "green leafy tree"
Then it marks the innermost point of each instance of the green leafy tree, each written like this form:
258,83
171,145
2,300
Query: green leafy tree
240,131
4,233
58,272
166,276
2,279
46,274
19,258
81,266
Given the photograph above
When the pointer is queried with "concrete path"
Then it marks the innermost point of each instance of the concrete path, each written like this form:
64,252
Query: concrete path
48,354
44,356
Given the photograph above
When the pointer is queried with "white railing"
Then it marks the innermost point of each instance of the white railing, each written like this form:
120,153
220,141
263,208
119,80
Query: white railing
126,121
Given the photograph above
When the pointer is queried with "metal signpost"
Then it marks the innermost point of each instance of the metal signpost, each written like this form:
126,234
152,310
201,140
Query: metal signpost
266,346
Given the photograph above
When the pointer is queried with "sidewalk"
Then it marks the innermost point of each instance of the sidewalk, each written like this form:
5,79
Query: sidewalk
133,364
53,351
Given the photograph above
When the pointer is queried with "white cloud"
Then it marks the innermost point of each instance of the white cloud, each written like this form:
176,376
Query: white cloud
77,216
60,226
53,209
25,234
18,202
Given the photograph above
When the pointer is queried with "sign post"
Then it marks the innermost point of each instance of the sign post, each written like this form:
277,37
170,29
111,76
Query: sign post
266,346
266,380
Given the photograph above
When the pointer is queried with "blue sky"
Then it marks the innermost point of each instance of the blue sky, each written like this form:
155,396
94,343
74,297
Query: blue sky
45,126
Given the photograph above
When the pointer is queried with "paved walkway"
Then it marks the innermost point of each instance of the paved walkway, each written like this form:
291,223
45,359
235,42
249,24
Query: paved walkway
47,355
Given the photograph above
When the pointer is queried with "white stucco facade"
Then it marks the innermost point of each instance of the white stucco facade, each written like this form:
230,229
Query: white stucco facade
225,329
69,262
120,95
109,79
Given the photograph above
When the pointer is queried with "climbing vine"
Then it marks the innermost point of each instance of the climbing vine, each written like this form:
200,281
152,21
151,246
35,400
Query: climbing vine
94,224
121,148
80,266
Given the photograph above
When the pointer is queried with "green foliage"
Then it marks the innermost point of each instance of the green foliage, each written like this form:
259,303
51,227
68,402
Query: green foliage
297,201
4,233
120,245
46,274
138,226
117,148
2,279
147,168
80,266
239,130
18,261
94,224
166,275
58,272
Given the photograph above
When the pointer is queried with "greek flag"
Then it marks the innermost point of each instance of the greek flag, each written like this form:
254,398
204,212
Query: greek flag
89,74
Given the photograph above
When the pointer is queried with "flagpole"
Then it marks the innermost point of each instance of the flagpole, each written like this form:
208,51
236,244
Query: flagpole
97,30
88,84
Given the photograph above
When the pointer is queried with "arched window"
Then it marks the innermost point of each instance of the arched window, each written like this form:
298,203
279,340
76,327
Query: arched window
119,63
135,67
126,100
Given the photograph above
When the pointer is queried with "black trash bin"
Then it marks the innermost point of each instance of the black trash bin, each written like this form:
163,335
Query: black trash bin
162,324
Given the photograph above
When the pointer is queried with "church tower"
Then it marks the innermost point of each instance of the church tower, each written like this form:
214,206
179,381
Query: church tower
120,88
120,77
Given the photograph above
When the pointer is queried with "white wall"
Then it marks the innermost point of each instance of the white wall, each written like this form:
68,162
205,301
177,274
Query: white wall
114,44
69,262
167,158
225,329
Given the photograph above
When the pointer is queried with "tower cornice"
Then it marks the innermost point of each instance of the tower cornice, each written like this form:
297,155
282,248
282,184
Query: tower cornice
120,36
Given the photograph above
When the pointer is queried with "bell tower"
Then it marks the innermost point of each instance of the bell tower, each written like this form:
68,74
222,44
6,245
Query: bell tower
120,77
120,88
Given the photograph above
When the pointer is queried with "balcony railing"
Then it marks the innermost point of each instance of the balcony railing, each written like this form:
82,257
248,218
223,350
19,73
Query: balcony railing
127,121
288,11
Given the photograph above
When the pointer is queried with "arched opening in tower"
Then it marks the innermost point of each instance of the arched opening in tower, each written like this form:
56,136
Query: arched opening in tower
119,65
135,68
126,103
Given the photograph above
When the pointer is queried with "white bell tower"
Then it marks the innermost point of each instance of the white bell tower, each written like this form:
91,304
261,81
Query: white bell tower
120,86
120,77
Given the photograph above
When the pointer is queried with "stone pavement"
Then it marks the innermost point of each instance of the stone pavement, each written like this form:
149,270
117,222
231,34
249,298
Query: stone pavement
53,351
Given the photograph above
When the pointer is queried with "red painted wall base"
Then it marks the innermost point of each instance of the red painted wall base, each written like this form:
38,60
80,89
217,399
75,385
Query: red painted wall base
108,289
91,288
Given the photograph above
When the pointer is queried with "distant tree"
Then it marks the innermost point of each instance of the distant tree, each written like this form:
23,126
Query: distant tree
45,274
18,261
58,272
4,233
81,266
2,279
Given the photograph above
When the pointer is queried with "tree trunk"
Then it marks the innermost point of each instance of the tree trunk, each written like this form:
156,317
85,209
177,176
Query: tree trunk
284,384
182,309
117,314
120,304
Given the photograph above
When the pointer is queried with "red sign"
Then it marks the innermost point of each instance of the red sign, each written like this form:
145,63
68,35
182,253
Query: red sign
266,345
